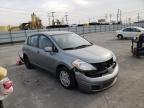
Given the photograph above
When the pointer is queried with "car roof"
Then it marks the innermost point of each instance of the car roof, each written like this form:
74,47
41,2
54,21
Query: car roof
139,28
51,33
134,27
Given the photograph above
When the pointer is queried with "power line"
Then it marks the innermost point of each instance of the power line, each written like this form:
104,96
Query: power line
43,14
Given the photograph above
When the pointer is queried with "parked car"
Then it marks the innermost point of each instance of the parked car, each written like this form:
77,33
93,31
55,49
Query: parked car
73,25
129,32
74,60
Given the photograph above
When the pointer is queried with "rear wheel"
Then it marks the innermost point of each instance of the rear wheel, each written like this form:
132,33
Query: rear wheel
66,78
120,37
27,62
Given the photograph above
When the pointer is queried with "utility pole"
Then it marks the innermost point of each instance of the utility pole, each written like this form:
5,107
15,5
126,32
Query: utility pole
49,18
126,19
110,17
138,17
89,20
117,15
62,21
120,16
53,20
66,18
106,17
129,20
53,15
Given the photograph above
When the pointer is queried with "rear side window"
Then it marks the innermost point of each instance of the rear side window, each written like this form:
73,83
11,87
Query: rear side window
33,41
137,30
44,42
133,29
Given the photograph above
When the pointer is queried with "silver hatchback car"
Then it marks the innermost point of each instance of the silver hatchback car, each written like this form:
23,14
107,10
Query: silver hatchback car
74,60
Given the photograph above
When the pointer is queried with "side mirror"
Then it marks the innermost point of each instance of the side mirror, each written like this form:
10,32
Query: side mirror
48,49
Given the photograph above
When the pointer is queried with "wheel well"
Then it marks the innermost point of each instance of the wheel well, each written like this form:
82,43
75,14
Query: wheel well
24,56
119,35
58,67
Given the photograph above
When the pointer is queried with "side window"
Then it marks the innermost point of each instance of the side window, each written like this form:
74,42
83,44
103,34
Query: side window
133,29
44,42
127,30
34,41
137,30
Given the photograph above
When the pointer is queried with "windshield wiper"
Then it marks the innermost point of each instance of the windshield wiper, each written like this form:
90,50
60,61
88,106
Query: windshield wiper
68,48
83,46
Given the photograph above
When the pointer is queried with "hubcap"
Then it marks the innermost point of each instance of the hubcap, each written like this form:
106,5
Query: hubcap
64,78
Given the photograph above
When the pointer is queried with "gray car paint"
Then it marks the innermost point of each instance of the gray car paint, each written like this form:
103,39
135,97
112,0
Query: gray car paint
50,61
91,54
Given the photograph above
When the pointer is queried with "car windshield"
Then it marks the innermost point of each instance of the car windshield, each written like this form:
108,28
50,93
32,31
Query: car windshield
142,29
69,41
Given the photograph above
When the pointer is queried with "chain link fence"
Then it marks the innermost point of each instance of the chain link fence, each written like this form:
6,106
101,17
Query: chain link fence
20,36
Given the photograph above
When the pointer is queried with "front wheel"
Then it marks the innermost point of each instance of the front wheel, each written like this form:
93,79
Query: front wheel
66,78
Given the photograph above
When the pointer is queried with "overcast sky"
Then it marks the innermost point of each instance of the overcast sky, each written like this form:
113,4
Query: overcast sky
15,12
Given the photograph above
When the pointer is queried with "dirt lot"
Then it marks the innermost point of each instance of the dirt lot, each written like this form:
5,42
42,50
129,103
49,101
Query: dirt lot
38,89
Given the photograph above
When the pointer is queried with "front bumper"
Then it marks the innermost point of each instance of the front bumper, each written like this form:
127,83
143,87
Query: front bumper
87,84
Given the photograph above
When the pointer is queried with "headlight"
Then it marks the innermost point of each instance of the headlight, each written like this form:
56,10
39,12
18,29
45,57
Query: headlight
83,66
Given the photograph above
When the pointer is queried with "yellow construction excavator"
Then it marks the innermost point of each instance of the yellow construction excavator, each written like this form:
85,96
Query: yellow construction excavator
35,23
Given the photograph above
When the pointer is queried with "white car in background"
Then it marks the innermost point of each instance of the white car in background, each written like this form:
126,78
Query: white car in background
129,32
73,25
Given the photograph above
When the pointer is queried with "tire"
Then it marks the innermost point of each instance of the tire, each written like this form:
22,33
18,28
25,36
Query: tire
120,37
66,78
27,62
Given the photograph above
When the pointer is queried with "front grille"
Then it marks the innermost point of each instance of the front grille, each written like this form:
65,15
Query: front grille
102,86
102,68
103,65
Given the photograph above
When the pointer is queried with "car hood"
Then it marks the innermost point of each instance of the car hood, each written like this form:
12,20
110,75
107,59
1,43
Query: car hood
91,54
118,31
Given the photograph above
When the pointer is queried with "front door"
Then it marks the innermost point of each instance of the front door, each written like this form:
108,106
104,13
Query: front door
135,32
46,60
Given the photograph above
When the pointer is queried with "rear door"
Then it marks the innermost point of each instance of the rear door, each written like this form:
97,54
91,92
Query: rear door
32,48
135,32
